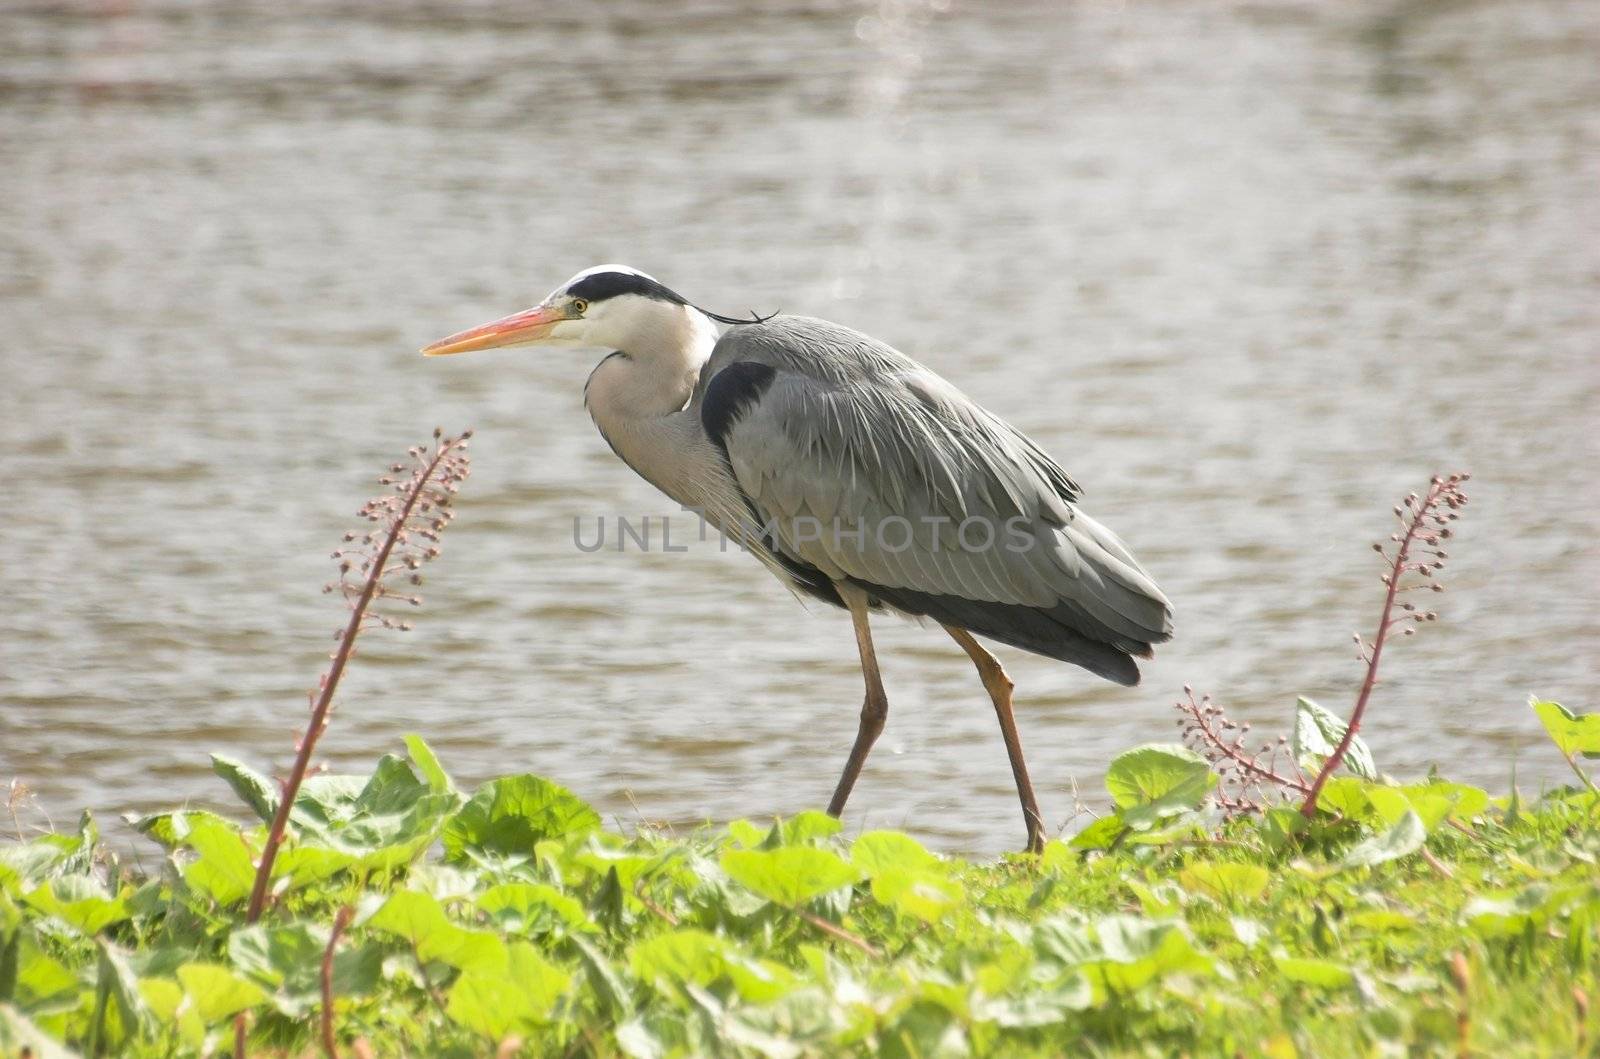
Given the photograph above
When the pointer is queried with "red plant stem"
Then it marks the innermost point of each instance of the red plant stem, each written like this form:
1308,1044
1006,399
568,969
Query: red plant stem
319,712
330,1047
1308,808
644,899
834,930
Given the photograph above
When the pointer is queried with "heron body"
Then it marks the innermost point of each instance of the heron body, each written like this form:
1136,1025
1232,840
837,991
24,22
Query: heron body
859,477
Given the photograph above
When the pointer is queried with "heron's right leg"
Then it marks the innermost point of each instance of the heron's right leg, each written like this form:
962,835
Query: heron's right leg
999,686
874,709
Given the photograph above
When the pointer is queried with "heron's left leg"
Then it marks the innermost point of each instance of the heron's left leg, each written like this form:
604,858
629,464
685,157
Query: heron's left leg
999,686
875,707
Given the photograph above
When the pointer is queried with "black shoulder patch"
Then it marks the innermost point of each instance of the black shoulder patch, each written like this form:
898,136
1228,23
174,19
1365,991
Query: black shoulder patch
603,285
729,393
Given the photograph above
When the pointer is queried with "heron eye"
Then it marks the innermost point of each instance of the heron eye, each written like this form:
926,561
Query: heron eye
580,306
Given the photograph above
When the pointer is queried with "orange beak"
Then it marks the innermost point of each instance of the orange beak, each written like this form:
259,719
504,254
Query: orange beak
514,330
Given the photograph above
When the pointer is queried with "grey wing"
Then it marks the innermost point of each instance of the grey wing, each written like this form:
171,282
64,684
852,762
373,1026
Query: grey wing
859,465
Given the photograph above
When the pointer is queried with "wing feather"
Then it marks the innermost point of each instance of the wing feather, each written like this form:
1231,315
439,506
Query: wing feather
857,438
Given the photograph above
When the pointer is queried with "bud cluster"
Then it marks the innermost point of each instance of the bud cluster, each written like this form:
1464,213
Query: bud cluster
1247,778
407,524
1417,548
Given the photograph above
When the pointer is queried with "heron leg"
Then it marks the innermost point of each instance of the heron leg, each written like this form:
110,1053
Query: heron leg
999,685
874,709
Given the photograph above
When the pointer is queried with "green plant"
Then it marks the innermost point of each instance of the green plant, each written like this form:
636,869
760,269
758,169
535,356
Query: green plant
411,919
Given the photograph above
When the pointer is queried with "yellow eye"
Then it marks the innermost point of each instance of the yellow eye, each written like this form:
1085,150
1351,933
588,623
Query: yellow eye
580,306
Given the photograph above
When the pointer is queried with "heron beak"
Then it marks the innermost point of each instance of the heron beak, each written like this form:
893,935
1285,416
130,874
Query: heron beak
514,330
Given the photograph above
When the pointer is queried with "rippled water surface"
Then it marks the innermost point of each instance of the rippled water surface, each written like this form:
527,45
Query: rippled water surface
1249,270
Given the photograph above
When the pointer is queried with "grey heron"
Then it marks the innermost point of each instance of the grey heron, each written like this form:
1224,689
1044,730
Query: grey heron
859,477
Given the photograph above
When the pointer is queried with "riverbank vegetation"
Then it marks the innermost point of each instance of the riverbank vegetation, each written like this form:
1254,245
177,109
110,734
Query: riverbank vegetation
1278,898
405,918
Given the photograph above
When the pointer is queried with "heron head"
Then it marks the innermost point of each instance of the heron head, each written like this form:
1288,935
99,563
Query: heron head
608,306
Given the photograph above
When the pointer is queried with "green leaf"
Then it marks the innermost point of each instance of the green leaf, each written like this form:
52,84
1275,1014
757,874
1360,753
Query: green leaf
303,864
420,920
288,961
1312,971
602,852
918,892
679,956
1573,733
1433,802
1506,915
1226,882
791,875
745,833
1346,796
121,985
217,992
1065,941
1161,901
42,981
383,821
1157,780
1281,824
516,1000
392,789
444,881
1381,920
163,996
222,869
509,815
606,982
252,787
1317,734
928,1028
758,981
1101,834
427,763
879,851
24,865
166,1001
80,902
808,828
1136,951
1049,1005
268,955
325,800
170,829
1403,839
532,908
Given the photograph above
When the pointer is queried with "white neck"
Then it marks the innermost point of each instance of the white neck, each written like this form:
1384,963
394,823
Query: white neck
635,395
661,354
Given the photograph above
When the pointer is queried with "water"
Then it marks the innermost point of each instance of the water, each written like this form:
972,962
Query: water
1251,271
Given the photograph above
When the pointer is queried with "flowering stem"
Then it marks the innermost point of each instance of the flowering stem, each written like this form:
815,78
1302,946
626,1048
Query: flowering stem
1397,568
330,682
432,482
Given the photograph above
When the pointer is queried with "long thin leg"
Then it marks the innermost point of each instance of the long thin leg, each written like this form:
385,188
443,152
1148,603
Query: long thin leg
999,686
874,709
